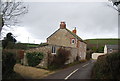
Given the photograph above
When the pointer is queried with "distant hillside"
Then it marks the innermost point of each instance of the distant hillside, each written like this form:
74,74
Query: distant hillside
28,45
97,45
102,41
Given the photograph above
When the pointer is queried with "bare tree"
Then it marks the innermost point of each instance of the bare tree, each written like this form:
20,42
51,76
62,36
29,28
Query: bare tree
115,5
10,10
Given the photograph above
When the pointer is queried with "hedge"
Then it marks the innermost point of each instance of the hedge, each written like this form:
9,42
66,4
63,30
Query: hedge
8,62
34,58
107,67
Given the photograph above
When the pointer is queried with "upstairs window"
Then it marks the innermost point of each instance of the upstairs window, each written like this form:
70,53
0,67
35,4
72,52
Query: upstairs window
53,50
73,41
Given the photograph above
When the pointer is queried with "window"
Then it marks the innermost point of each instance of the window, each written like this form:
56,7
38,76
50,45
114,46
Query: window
111,50
53,50
73,41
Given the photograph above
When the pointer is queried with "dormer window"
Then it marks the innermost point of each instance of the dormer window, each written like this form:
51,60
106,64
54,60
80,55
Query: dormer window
72,41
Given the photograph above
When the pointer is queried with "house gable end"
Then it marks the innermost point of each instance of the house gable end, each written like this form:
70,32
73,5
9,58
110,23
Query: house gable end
76,36
53,33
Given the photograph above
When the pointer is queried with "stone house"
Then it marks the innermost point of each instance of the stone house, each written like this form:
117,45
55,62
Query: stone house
66,39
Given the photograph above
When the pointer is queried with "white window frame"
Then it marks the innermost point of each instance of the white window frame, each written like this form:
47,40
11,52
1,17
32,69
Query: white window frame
72,41
53,50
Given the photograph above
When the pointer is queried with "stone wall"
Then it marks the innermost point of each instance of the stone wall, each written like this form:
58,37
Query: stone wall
43,49
96,55
48,50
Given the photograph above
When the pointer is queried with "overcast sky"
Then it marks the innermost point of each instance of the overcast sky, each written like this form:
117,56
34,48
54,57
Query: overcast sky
92,20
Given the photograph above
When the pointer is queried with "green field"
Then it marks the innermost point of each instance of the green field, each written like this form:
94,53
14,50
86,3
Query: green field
102,41
97,45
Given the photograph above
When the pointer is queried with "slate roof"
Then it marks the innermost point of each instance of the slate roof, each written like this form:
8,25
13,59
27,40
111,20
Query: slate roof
76,36
114,47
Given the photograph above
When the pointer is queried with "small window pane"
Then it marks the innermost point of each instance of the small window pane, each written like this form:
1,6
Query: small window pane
73,41
53,49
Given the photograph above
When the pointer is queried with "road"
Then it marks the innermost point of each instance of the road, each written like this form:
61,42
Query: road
79,71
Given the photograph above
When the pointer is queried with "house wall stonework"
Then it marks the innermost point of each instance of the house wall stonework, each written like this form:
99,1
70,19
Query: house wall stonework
63,38
82,50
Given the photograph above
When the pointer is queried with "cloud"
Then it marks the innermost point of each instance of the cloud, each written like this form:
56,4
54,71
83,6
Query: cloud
93,20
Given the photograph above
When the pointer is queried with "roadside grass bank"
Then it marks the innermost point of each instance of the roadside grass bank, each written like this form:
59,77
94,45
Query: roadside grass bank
107,67
28,72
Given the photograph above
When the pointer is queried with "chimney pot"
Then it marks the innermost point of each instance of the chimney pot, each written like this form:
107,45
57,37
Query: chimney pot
62,25
74,31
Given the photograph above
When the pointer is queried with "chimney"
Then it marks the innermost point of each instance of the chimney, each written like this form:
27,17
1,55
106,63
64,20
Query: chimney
62,25
74,31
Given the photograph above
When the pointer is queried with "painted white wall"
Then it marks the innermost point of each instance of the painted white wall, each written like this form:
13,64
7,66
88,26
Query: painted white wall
105,49
95,55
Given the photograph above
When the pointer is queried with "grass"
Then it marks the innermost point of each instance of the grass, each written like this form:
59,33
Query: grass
97,45
102,41
30,72
53,68
32,45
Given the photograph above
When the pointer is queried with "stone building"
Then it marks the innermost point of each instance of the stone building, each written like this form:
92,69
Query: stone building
111,48
66,39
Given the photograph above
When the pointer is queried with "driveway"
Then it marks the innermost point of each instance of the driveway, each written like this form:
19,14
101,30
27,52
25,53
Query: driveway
80,71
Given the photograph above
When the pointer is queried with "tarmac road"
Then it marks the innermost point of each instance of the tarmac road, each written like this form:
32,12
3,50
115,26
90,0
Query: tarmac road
79,71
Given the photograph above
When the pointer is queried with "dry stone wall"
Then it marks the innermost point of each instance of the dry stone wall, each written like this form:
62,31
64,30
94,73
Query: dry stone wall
48,50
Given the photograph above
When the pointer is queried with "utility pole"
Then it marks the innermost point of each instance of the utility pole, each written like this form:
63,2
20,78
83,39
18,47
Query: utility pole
34,41
97,45
28,43
28,39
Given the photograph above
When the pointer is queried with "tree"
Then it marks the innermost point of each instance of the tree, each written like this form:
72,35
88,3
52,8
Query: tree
115,5
9,41
10,10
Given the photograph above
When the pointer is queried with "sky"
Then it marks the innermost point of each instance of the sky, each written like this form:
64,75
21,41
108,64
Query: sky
91,19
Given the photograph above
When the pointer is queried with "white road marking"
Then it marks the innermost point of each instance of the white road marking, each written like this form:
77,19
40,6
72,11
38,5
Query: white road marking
85,65
70,74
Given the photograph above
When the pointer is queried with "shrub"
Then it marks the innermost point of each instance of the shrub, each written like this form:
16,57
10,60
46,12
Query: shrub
59,59
34,58
107,67
8,62
114,64
82,61
89,54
